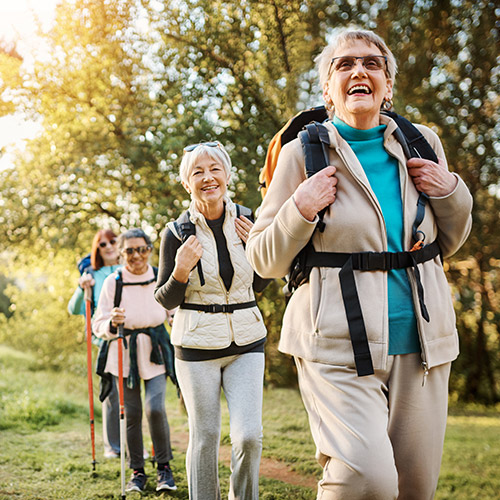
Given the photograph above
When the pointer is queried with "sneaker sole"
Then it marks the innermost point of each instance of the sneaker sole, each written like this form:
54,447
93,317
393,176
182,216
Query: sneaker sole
166,487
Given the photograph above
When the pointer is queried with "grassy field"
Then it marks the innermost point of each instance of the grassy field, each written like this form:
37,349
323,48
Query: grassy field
45,445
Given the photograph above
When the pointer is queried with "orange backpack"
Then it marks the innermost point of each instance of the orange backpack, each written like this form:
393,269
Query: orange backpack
287,133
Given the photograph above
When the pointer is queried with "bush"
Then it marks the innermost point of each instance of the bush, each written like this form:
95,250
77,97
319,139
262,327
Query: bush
40,322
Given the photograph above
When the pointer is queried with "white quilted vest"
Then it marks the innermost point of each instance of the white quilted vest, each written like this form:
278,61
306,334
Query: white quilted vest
201,330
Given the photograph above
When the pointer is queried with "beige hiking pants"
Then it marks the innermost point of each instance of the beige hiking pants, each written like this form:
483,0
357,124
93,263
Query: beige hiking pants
378,437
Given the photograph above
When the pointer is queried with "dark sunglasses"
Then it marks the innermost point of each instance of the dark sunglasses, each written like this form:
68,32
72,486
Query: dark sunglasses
192,147
140,250
347,63
105,243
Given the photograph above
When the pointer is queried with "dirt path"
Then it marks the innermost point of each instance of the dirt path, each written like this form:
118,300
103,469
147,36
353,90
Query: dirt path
269,468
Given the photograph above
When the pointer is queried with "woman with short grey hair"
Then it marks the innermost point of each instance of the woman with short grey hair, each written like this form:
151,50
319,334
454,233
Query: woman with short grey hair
372,330
218,332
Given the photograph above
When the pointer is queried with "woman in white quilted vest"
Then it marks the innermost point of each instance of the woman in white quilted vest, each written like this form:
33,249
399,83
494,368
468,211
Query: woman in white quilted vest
218,332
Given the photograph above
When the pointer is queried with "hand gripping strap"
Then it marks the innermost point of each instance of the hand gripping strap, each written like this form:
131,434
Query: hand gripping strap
185,228
315,142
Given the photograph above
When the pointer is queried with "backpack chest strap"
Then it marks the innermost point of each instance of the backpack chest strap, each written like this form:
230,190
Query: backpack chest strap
369,261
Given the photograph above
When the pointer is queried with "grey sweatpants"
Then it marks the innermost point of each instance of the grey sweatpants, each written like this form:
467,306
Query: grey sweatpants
378,437
241,378
111,421
157,421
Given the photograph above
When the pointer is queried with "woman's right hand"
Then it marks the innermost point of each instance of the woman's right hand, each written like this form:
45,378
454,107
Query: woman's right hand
86,281
316,193
117,316
187,257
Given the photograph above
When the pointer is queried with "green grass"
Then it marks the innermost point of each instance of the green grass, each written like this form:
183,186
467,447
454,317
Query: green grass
45,443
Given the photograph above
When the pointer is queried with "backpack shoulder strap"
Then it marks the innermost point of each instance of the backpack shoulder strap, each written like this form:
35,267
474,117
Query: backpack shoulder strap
184,227
416,144
118,288
315,141
245,211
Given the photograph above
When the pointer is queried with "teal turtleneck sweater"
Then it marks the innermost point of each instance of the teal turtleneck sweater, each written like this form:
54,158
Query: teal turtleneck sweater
382,171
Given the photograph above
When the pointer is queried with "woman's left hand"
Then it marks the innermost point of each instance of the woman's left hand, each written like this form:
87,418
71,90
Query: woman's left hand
433,179
243,227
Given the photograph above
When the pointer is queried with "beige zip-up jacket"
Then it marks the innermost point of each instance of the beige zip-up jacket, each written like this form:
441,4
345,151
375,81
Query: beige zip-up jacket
315,326
201,330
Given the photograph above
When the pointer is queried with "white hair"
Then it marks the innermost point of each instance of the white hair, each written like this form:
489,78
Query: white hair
216,153
348,35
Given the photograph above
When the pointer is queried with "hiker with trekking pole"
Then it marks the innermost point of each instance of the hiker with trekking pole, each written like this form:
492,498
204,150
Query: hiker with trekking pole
127,304
99,264
359,213
218,332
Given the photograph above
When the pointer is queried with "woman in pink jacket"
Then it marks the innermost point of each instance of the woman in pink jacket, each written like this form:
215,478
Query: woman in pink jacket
147,355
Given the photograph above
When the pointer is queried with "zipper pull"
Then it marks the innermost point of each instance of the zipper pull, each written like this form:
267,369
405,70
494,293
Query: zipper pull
426,372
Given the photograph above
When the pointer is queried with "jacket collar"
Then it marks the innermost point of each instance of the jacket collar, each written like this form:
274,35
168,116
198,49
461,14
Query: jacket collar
390,141
197,216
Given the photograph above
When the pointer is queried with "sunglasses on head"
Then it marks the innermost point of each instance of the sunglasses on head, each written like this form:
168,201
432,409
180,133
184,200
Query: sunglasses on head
105,243
140,250
192,147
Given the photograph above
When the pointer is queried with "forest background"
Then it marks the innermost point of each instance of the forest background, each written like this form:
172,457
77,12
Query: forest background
117,88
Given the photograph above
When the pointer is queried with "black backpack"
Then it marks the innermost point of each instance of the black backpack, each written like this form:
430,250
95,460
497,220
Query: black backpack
315,144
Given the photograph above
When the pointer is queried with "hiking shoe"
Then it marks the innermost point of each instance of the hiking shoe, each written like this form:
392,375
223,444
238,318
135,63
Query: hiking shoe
137,482
165,480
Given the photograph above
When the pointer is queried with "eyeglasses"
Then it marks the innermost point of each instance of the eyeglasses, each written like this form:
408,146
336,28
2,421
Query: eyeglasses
140,250
103,244
192,147
347,63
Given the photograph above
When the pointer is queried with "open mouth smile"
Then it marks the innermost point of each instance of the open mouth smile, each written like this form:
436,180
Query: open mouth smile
359,89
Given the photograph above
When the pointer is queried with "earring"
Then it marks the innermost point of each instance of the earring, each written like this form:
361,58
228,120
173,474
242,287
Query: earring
330,107
387,104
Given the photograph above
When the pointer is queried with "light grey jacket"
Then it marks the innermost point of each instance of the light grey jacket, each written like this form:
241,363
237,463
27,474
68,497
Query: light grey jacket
314,325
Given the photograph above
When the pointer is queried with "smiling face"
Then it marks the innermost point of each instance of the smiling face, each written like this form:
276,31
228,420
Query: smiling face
207,183
137,261
108,250
358,93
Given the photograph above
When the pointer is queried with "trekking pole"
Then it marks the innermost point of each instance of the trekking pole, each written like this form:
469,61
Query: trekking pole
122,409
88,321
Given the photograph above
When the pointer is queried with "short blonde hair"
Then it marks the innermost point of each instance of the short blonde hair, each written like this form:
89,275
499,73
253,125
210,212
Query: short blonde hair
343,36
216,153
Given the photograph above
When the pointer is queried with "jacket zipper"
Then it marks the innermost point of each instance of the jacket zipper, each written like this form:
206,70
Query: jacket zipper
412,282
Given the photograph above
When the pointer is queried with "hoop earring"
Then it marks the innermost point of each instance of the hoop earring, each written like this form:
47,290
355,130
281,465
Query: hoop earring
387,104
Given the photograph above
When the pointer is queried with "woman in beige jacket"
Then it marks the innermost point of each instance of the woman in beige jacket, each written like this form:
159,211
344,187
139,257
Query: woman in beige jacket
377,412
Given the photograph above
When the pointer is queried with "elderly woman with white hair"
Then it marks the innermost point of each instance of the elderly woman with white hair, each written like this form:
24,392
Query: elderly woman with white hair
218,332
373,329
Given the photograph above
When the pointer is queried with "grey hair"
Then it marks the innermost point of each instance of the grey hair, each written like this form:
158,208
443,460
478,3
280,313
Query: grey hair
133,233
218,154
348,35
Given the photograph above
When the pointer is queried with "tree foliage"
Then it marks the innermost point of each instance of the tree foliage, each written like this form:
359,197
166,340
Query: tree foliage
120,86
